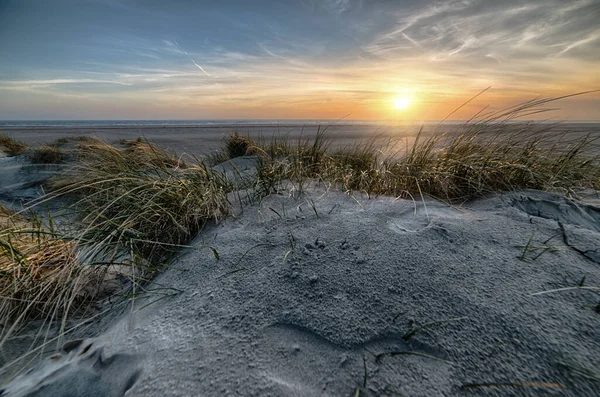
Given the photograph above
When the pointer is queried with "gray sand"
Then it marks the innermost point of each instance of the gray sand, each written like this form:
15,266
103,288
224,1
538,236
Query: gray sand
302,302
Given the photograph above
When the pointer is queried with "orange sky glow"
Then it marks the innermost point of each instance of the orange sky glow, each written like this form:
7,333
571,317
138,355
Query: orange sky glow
330,59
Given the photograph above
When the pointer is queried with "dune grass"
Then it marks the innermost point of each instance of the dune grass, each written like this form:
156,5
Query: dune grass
41,278
137,204
11,146
232,146
483,157
46,154
128,206
140,198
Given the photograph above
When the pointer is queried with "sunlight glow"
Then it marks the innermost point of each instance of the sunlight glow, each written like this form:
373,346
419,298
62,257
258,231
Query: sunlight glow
401,103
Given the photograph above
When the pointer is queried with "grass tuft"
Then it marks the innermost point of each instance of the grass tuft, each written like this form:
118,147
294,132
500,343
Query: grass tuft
237,145
41,277
139,198
46,154
137,204
11,146
484,156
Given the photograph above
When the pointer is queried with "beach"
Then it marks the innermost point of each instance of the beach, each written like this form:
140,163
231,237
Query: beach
201,138
333,198
377,295
293,284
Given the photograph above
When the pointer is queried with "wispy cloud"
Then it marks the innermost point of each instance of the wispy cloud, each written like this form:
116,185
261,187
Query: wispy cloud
51,82
317,56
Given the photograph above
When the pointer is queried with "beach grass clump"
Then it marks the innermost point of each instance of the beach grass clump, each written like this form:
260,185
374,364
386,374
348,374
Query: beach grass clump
470,166
232,146
481,157
75,139
40,275
237,145
139,199
46,154
11,146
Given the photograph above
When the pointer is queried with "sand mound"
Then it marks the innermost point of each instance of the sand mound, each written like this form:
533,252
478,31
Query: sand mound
329,293
240,171
21,181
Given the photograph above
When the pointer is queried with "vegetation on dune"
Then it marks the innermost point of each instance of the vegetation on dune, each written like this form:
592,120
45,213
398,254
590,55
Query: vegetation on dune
46,154
11,146
131,205
233,145
236,145
136,204
139,198
74,139
486,156
41,277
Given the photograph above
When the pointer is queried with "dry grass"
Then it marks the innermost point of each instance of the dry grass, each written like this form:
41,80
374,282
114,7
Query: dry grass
139,199
132,205
236,145
11,146
40,275
233,145
46,154
74,139
483,157
138,204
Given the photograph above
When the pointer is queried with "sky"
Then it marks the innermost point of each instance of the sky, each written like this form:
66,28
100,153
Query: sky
294,59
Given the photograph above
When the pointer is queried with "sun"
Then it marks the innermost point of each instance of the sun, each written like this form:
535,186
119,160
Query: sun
401,103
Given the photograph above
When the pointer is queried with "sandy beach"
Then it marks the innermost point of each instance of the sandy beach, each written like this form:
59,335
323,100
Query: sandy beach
383,295
320,292
315,198
202,139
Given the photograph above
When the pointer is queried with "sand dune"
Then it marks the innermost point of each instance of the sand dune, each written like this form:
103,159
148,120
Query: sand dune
328,294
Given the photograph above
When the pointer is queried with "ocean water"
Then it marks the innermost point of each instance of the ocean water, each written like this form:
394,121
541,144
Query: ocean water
180,123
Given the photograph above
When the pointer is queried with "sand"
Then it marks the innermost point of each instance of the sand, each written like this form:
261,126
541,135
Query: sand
203,139
307,302
324,293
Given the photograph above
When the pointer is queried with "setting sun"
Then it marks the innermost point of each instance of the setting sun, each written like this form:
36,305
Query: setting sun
401,103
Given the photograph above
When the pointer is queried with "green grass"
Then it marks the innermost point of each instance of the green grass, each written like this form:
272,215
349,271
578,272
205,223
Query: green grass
11,146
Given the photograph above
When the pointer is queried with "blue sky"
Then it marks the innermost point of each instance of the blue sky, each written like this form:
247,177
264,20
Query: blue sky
148,59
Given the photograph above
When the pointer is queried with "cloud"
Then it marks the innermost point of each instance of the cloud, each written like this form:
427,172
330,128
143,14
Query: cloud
50,82
269,53
509,29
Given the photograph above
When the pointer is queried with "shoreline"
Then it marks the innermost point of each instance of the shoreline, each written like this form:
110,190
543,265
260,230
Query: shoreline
204,139
309,123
